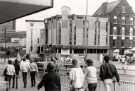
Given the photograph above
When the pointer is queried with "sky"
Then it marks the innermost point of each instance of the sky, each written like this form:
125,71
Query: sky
77,7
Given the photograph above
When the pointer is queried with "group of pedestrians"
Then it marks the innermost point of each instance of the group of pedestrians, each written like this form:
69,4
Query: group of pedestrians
25,66
88,79
81,79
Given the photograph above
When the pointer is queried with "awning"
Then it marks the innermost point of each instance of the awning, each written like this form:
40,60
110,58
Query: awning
13,9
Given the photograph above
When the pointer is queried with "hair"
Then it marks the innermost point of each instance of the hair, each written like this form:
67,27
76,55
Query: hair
74,62
106,59
23,59
89,62
50,67
9,61
16,61
27,56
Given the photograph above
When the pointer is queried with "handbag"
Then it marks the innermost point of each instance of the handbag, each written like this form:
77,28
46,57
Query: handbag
5,74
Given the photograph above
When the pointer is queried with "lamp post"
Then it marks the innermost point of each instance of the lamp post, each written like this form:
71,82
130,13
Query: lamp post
31,46
86,25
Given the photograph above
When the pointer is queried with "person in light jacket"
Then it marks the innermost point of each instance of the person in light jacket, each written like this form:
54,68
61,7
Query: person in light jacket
33,72
76,76
24,67
10,72
91,75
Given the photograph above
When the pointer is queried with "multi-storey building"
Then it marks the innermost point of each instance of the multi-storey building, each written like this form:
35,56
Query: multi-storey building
78,34
10,40
122,20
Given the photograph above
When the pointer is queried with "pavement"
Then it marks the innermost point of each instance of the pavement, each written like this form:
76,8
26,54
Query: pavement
20,86
64,84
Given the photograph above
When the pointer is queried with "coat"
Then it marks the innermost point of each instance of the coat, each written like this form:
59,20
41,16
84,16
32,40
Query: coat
50,81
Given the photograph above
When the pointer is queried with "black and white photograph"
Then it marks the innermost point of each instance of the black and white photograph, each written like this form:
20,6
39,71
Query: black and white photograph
67,45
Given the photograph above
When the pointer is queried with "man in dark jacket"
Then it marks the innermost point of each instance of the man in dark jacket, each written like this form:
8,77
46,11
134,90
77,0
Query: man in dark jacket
15,77
107,72
51,80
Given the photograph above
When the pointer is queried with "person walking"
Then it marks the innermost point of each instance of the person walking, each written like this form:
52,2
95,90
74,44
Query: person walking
10,71
33,72
16,76
24,67
76,76
51,80
108,71
91,75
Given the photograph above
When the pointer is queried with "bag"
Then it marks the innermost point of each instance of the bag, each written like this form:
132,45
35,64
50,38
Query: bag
5,74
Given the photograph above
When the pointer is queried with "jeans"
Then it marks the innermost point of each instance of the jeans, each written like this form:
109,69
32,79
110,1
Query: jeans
9,77
33,80
24,75
15,81
92,86
108,84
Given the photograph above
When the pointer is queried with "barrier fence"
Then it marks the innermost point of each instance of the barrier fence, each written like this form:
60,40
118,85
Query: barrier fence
124,85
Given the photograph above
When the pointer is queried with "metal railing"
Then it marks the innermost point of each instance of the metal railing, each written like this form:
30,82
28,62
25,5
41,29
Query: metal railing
124,85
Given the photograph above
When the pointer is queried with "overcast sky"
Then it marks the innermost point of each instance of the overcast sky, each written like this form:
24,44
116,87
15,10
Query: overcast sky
77,7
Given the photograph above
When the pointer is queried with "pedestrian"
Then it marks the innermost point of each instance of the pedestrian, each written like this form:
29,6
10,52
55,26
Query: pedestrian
16,76
24,67
76,76
33,72
51,80
10,71
107,73
27,58
91,75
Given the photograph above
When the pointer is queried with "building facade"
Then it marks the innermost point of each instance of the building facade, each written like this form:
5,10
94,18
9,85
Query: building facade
78,34
10,40
122,20
35,35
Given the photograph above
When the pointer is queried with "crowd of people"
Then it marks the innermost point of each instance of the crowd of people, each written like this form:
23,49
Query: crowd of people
81,79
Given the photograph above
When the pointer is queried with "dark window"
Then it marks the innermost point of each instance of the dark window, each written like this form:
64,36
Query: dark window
113,43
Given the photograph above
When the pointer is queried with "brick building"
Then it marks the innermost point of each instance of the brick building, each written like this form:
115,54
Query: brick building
122,19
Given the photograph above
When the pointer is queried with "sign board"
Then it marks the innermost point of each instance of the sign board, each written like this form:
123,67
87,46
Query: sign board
65,52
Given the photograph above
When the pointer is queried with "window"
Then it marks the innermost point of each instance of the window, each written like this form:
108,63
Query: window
123,33
114,33
131,20
113,43
131,33
123,9
123,20
115,18
122,43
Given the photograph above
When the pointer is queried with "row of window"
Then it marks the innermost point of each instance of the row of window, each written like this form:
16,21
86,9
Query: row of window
114,43
123,20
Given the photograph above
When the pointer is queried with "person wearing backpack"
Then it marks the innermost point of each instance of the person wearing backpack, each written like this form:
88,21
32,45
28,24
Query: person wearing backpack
107,72
10,71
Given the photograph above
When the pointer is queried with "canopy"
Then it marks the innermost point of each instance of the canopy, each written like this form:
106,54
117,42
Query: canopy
13,9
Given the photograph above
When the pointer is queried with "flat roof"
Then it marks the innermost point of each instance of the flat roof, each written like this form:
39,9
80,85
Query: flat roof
13,9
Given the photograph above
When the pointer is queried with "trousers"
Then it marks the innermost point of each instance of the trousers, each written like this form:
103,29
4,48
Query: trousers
108,84
24,75
33,80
